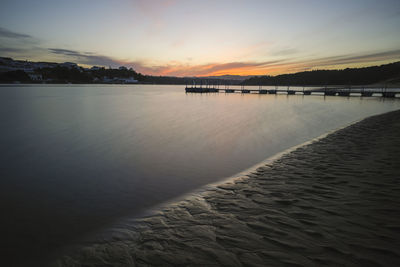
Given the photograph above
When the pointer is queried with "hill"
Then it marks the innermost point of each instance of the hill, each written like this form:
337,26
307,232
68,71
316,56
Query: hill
388,73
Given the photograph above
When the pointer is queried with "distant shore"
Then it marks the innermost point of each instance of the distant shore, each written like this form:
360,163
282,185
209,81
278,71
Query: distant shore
332,202
221,84
24,71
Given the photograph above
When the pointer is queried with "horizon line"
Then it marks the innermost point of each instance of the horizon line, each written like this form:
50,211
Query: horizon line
216,75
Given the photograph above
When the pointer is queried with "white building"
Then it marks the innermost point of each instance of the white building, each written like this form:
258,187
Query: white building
36,77
129,80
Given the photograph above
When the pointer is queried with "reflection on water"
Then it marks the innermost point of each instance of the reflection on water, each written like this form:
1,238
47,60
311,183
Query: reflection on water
76,157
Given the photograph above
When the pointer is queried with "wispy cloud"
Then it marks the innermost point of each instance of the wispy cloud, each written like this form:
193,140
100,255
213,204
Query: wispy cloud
175,68
87,58
212,69
360,58
18,44
285,52
277,66
10,34
65,52
11,50
92,59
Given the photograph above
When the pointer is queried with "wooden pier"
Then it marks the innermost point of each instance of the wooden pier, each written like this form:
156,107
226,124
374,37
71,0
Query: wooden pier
326,91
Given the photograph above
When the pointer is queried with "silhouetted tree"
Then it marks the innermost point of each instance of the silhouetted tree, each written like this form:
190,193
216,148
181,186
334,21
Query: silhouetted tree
14,76
355,76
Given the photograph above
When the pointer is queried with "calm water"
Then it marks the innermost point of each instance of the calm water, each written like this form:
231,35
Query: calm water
76,158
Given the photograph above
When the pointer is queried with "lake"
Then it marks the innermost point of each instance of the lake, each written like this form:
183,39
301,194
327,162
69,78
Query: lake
76,158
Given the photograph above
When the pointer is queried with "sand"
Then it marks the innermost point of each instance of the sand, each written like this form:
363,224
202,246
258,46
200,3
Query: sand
333,202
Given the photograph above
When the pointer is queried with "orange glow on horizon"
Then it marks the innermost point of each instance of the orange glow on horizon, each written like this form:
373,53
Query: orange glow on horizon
242,69
248,69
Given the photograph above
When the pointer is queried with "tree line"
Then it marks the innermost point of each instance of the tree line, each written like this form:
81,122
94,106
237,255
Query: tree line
388,73
60,74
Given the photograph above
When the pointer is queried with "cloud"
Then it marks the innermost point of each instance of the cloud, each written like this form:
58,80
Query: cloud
285,52
65,52
14,44
349,60
92,59
11,50
212,69
175,68
361,58
87,58
10,34
18,44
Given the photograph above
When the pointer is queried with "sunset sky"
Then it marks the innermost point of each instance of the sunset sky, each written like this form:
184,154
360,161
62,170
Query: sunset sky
202,38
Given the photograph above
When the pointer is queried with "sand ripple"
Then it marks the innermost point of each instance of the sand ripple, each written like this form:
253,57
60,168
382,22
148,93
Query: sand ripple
334,202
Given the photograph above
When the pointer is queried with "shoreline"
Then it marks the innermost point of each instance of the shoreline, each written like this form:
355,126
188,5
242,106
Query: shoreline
374,85
264,217
212,186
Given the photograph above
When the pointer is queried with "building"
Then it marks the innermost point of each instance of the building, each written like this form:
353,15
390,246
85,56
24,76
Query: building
129,80
8,64
69,65
36,77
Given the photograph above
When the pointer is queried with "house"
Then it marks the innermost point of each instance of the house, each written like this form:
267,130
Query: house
36,77
129,80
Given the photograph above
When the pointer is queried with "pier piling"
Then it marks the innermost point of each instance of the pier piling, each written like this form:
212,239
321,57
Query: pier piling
207,86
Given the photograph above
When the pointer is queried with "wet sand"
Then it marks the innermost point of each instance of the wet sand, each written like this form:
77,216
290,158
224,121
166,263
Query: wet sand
334,202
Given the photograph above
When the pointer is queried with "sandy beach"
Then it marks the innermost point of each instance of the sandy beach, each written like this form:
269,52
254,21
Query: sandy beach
334,202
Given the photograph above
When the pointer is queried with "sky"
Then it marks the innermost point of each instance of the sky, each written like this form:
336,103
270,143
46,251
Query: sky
203,37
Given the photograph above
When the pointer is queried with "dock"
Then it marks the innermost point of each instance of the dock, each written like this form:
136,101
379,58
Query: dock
325,91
